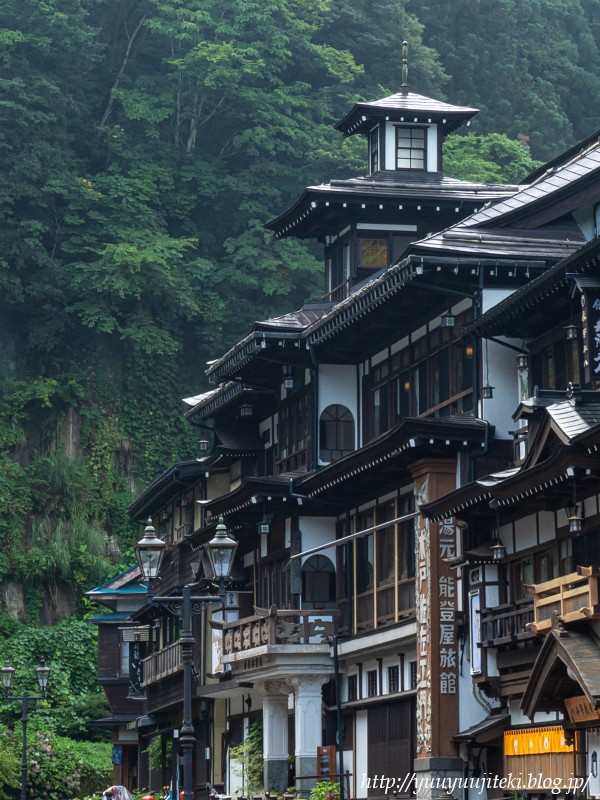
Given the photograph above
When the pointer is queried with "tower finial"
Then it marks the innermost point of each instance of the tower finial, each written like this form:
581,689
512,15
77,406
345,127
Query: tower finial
405,64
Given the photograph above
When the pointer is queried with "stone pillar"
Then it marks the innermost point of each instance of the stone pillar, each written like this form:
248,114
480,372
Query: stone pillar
275,735
437,637
308,728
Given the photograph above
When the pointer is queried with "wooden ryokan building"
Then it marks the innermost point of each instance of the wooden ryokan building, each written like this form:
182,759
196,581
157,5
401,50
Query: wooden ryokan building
401,523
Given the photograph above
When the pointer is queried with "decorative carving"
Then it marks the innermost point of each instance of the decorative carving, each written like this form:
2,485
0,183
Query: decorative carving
290,632
264,631
246,634
255,635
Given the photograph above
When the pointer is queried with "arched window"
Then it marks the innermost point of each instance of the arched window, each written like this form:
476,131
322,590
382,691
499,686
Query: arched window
318,582
336,433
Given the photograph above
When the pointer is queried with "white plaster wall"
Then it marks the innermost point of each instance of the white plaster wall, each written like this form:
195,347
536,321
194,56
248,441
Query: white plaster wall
338,384
491,298
469,710
316,531
361,747
584,217
517,717
546,525
432,150
525,533
501,373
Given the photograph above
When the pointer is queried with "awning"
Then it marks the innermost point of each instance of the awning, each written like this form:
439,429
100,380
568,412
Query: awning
114,721
489,728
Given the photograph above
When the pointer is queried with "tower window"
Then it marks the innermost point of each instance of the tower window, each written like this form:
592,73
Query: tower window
374,149
410,148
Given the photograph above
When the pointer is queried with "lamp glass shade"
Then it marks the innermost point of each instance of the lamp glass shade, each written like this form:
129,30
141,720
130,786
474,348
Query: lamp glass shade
487,392
498,550
288,382
149,552
447,320
522,361
221,551
246,410
8,673
575,523
571,332
42,673
203,445
264,527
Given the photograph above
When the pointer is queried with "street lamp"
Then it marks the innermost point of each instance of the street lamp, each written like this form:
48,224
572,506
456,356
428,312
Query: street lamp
42,674
221,552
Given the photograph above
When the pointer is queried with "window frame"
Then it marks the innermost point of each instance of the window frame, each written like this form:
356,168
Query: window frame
411,148
344,428
374,150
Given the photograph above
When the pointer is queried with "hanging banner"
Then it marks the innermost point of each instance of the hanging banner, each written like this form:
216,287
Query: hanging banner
136,670
593,762
536,741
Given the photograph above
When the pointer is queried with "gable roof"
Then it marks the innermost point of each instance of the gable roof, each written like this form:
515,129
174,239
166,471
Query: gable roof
549,681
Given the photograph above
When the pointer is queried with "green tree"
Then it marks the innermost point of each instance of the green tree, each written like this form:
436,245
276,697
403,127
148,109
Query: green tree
488,158
529,65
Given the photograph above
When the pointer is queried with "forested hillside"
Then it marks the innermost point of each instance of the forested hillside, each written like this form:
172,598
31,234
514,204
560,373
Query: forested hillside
143,145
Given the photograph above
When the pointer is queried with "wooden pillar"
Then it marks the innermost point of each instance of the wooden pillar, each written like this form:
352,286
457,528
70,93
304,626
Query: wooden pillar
437,637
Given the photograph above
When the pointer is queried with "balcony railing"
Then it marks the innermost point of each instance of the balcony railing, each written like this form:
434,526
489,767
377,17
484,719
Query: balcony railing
506,623
162,663
571,598
272,626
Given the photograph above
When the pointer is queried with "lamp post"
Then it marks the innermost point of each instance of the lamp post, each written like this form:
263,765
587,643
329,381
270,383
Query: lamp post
220,551
42,674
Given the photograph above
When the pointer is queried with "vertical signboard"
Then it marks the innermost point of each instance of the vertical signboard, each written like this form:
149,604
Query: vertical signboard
590,318
475,631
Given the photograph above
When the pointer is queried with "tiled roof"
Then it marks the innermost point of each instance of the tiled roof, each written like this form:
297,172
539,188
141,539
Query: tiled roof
296,320
581,166
573,419
390,190
417,107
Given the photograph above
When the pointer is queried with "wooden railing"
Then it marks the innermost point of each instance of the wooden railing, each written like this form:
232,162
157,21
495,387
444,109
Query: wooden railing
162,663
506,623
272,626
571,598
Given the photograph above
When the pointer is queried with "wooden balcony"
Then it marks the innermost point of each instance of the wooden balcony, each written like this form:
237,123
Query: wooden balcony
162,663
571,598
507,623
279,627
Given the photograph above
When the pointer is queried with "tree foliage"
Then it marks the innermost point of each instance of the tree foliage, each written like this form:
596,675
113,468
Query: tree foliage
491,158
144,144
531,66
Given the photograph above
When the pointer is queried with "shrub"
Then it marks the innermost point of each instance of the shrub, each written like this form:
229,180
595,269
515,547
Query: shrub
325,790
